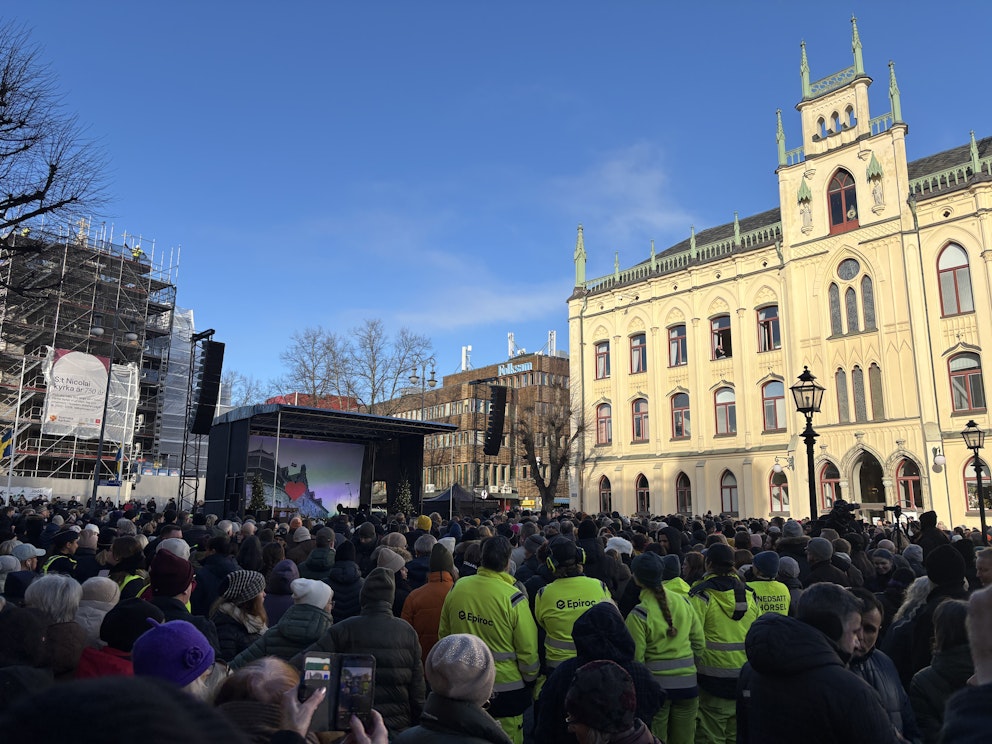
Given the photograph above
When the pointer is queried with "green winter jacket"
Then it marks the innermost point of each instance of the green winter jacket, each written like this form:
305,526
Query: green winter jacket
300,626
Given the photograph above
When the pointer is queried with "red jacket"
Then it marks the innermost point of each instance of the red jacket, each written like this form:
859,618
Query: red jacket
104,662
422,608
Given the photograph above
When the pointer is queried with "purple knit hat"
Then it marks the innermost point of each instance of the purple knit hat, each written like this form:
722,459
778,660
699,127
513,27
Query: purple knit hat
174,651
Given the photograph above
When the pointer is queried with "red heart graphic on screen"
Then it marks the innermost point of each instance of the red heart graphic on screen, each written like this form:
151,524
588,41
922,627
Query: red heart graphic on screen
295,489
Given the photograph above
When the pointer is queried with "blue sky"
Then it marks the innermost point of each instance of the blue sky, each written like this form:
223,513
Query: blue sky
428,162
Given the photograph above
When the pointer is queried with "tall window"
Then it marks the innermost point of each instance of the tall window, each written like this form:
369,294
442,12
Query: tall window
868,302
908,485
683,494
967,389
602,360
638,353
643,495
605,495
778,492
604,424
836,320
843,411
971,485
954,277
875,387
677,352
860,403
773,405
728,493
639,414
680,416
843,199
726,411
720,334
829,486
851,310
769,337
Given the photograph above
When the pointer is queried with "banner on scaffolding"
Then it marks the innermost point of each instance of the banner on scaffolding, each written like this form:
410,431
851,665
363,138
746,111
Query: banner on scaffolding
76,384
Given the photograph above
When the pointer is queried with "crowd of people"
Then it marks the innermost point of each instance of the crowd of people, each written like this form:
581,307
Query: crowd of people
518,627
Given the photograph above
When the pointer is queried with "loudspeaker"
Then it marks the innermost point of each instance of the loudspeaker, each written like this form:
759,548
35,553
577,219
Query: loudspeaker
209,387
494,426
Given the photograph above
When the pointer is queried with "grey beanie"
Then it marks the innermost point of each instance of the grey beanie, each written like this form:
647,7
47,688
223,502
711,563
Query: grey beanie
461,667
819,549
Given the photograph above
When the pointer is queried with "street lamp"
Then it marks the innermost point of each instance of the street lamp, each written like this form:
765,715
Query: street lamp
808,395
974,439
130,336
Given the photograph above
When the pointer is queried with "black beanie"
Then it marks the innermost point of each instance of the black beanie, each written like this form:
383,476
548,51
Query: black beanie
126,621
345,552
587,529
945,567
379,586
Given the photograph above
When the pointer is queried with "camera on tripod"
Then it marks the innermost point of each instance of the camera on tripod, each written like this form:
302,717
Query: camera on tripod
896,509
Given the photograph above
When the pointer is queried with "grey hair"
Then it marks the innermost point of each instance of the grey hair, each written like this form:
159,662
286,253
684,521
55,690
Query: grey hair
914,599
425,544
226,526
126,527
56,595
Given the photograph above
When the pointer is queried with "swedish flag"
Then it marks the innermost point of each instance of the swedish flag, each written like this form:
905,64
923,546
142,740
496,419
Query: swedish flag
7,443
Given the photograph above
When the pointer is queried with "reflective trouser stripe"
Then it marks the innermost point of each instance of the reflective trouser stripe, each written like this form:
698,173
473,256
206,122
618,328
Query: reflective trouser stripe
714,646
711,671
507,686
563,645
676,681
504,656
663,665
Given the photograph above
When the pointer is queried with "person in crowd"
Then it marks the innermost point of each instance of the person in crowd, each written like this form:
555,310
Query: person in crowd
914,557
215,565
461,672
560,603
389,558
796,684
489,605
418,568
64,545
968,713
128,567
531,562
884,567
422,608
100,594
949,671
250,554
601,705
87,565
772,595
727,609
365,541
239,612
793,544
320,561
930,537
8,564
946,569
892,597
272,553
819,552
278,589
983,566
347,582
121,627
300,626
178,653
172,579
693,567
57,596
596,565
667,634
877,669
399,686
303,544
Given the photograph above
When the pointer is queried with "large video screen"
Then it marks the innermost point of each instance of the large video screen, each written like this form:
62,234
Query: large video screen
311,476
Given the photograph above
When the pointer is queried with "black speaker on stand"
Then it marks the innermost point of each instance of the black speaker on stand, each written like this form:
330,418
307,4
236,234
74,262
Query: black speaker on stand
209,388
494,425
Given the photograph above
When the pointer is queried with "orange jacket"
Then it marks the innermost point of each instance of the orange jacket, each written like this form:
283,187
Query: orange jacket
422,608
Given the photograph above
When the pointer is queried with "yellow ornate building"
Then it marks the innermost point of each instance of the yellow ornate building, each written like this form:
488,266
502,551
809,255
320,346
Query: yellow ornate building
873,271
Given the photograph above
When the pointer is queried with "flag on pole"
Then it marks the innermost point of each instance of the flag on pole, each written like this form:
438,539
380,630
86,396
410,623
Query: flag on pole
7,443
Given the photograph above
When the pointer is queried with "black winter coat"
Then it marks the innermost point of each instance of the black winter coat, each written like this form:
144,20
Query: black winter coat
966,718
346,581
598,565
300,626
933,686
795,547
173,609
454,721
211,572
318,564
878,671
795,687
232,635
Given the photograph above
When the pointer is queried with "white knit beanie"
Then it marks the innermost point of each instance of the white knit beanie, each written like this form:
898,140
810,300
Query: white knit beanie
310,592
461,667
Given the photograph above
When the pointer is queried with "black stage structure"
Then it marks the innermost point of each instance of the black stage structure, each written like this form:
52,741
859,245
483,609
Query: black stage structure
394,448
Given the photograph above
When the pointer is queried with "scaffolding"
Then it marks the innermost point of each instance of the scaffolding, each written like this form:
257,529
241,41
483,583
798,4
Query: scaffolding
55,288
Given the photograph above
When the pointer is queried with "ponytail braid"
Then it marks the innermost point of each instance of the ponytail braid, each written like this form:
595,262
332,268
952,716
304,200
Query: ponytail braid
661,597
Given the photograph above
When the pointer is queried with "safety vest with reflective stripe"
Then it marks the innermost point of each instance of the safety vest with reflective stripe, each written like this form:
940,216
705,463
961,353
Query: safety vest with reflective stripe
557,607
772,596
671,660
727,608
677,585
489,606
58,556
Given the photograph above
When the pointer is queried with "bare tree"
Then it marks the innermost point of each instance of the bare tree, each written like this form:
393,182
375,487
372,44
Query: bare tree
47,167
546,429
314,364
244,390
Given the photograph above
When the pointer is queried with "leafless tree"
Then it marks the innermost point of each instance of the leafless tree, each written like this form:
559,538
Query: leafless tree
313,364
244,390
546,429
48,168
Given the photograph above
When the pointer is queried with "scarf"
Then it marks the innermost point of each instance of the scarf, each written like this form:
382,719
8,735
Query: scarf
253,624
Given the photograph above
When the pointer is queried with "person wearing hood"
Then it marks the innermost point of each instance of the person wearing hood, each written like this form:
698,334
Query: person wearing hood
793,545
303,544
796,684
601,705
929,537
320,561
946,569
422,608
365,541
727,609
399,685
346,580
100,594
599,633
279,590
597,565
304,623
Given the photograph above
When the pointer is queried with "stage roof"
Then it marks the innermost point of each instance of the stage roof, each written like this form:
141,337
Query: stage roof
328,424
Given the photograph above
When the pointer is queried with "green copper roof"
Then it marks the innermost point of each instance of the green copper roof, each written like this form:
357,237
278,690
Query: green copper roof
859,63
874,168
804,194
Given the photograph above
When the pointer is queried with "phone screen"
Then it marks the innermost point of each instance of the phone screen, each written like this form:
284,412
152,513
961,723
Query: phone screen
317,673
356,687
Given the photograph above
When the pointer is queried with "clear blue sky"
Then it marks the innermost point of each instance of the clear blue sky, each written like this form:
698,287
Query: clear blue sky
428,162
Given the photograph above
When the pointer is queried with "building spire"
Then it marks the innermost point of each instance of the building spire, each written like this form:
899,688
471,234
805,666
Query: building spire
859,62
654,258
975,165
692,242
780,137
804,73
737,230
616,265
894,94
580,260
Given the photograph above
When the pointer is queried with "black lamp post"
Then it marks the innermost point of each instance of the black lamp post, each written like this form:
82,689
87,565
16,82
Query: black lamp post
974,439
808,395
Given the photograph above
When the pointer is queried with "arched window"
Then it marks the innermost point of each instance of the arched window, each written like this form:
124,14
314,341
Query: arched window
643,495
778,492
638,353
954,277
967,388
836,319
875,386
720,337
773,405
908,485
639,411
683,494
851,310
835,121
769,336
842,196
604,424
726,411
677,351
680,416
728,493
821,127
868,302
850,117
829,486
605,495
602,360
971,485
860,403
843,412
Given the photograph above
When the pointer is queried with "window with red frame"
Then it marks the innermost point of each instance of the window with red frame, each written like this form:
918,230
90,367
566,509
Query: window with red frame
726,411
954,279
638,353
602,360
683,494
829,486
680,416
728,493
639,412
967,386
604,424
908,485
843,199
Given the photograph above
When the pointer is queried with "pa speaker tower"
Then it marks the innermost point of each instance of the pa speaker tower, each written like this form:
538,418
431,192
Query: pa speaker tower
494,425
209,387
